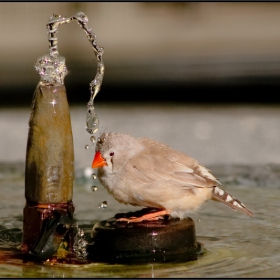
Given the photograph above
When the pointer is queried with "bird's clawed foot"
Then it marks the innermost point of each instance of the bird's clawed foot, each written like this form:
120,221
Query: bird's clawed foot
154,216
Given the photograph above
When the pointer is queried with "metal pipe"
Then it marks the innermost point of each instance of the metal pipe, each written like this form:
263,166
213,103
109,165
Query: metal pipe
50,152
49,169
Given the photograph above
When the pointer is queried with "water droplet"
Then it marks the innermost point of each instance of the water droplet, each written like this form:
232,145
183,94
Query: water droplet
92,139
103,205
92,121
198,220
86,147
93,176
94,189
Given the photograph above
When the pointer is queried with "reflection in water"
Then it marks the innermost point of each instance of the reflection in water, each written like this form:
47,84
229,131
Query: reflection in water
235,245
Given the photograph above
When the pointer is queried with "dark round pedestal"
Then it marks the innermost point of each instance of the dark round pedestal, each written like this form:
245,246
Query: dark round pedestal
164,240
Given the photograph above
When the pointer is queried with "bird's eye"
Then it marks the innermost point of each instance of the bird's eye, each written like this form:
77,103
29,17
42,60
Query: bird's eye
111,154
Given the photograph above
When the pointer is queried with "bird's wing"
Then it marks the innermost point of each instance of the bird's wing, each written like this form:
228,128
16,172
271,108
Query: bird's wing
161,165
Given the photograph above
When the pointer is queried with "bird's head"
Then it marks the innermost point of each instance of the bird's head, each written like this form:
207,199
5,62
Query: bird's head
113,150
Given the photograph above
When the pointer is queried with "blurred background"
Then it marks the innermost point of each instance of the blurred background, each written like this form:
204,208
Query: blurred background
203,77
175,51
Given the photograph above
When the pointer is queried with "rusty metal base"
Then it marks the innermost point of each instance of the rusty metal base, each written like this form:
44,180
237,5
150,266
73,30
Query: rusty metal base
34,216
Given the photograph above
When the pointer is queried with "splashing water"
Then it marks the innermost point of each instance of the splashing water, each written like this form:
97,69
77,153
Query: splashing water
92,121
93,176
52,69
94,188
92,139
80,243
103,205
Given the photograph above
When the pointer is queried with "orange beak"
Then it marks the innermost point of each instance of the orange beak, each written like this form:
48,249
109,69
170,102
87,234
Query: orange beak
98,161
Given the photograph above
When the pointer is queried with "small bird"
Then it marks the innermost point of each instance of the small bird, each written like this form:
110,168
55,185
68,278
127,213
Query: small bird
143,172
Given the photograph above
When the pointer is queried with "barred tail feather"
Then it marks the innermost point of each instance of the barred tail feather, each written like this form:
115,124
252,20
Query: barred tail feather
222,196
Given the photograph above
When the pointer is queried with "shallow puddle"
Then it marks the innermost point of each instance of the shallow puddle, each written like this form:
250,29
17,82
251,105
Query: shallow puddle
234,244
